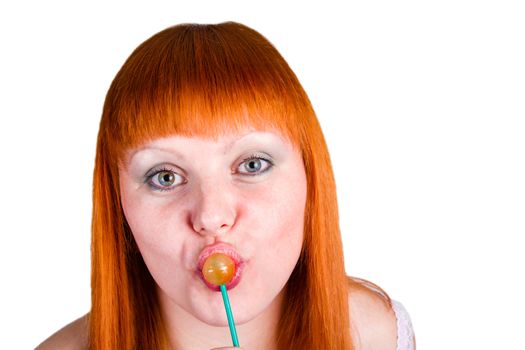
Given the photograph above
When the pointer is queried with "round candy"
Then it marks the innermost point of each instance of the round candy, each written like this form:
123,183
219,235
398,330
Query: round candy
218,269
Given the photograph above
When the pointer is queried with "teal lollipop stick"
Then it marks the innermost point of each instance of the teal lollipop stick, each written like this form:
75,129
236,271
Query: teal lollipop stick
229,315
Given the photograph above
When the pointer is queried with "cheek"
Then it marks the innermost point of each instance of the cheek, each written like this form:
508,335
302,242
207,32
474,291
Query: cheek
286,204
277,237
153,224
143,217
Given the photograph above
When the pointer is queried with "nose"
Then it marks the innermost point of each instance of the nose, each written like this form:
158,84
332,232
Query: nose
214,211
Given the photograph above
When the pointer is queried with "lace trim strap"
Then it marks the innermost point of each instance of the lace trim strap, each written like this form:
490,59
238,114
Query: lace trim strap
405,332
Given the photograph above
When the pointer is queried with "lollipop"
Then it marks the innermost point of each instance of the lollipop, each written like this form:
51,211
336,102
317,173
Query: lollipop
219,269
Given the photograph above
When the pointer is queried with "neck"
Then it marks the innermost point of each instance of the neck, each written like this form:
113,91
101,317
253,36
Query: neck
187,332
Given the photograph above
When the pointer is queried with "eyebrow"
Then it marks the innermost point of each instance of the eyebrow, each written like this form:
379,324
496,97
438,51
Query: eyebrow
131,156
156,148
267,137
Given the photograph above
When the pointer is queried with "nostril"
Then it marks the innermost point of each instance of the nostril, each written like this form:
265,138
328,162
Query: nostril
220,222
209,228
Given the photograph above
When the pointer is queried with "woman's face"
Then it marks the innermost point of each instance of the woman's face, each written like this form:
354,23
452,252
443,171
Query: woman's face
243,194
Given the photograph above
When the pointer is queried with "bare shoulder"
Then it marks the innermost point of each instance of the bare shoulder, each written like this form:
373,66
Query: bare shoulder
73,336
373,321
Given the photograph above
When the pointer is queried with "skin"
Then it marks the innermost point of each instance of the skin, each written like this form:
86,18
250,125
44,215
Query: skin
215,195
260,216
373,323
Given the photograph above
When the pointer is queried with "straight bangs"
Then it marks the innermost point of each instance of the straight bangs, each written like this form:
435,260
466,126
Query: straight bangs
203,80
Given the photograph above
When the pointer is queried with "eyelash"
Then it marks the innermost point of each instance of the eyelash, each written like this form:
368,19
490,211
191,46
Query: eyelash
154,172
260,157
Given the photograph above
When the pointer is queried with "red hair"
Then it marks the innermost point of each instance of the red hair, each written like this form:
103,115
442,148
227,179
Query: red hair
204,80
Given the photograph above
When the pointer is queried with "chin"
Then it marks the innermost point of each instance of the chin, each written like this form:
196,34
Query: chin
215,314
248,301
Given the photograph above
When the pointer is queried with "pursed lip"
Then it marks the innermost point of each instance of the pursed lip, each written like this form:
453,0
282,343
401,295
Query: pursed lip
225,249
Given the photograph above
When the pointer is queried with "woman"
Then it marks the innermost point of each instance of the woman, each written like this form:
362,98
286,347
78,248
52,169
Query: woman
208,143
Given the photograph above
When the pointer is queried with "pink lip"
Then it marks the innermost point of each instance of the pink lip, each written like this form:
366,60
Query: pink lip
226,249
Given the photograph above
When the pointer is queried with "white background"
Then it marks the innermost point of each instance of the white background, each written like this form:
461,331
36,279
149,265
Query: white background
422,104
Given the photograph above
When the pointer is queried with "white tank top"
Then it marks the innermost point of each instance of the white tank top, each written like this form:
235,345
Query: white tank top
405,332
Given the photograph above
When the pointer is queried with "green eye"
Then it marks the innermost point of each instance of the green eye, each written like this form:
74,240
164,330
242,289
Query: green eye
164,180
